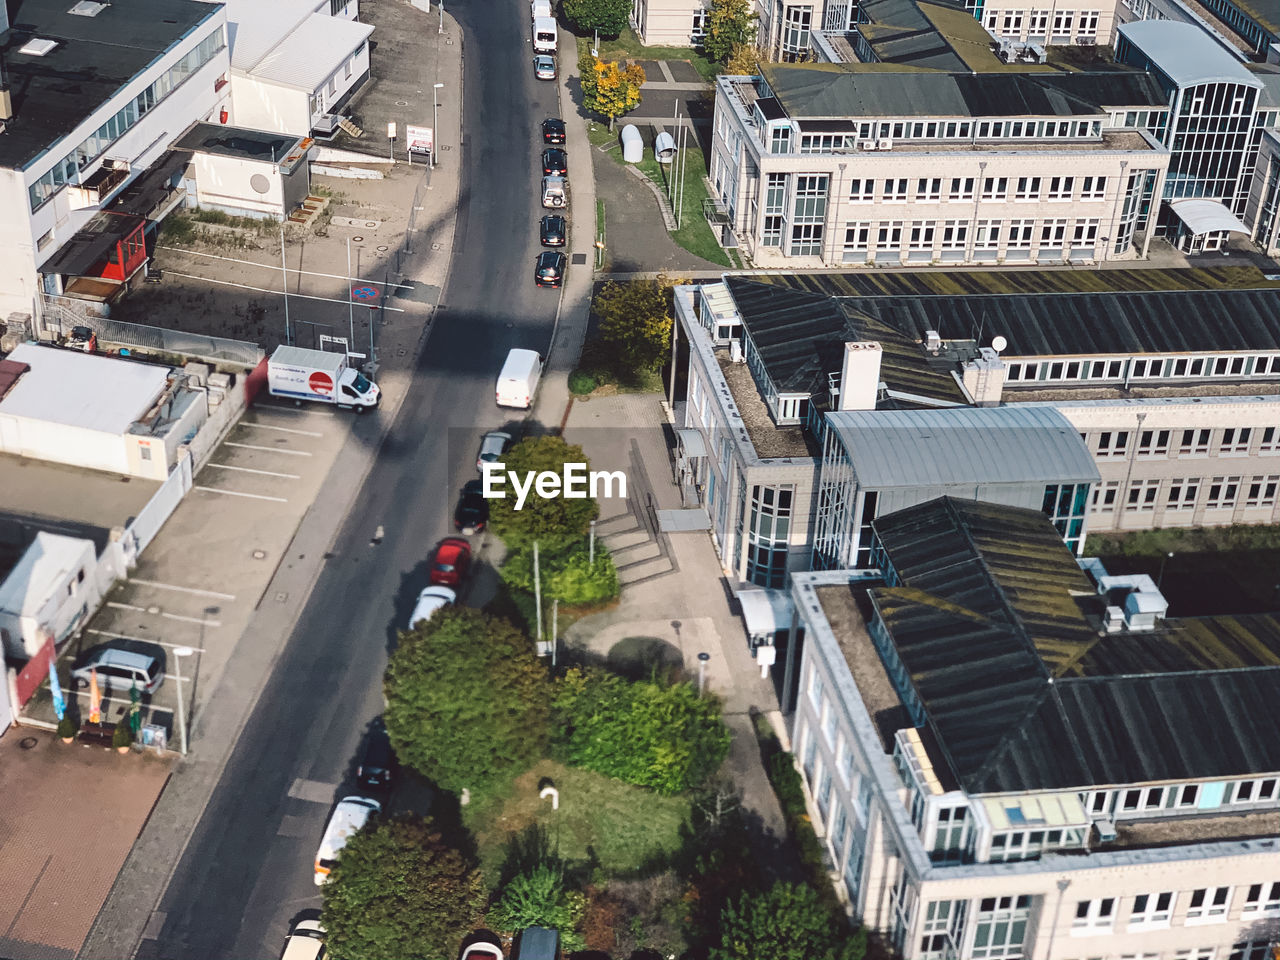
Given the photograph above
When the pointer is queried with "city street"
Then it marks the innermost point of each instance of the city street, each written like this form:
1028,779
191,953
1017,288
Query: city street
248,868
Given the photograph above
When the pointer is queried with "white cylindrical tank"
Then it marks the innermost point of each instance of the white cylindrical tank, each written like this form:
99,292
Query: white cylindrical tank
632,144
664,147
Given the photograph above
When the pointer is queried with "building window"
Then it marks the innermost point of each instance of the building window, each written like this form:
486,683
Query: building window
1028,189
1235,440
895,189
1262,900
1104,496
1270,441
1151,910
1209,904
1094,916
1053,234
1064,504
699,30
889,235
1194,442
1262,492
862,191
795,32
922,235
995,188
949,837
961,188
1222,493
1093,188
955,234
1084,233
929,188
769,535
1000,927
857,240
1061,188
1153,443
1250,950
940,928
815,686
987,235
1142,495
1183,494
809,211
1087,28
1113,444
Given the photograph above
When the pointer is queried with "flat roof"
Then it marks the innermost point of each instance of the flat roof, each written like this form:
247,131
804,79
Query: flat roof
1185,53
767,438
242,143
962,445
843,90
103,394
44,564
254,28
311,53
94,58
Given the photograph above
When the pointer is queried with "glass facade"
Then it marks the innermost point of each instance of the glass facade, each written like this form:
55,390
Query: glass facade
769,534
1066,504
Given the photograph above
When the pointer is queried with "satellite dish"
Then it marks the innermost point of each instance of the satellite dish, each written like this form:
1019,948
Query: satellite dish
998,343
259,183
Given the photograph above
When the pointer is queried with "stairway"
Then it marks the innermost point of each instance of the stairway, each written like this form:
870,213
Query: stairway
311,208
349,128
639,551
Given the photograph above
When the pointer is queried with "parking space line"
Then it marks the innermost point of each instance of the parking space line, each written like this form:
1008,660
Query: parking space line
264,473
170,616
313,791
241,493
272,426
250,446
281,408
124,636
173,586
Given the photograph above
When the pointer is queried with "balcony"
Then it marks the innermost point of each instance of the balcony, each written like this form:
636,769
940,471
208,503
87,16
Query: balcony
99,185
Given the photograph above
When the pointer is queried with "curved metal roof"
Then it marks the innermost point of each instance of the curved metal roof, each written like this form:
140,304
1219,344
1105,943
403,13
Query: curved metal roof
1186,54
1206,216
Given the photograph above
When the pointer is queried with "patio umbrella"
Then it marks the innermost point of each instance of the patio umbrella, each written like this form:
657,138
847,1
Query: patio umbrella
55,689
95,714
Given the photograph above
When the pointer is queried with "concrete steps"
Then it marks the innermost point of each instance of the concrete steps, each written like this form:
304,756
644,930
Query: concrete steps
658,566
311,208
349,128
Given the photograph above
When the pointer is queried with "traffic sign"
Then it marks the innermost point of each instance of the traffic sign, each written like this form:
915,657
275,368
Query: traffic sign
320,383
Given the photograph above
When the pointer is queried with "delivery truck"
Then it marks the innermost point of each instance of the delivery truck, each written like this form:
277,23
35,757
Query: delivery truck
324,377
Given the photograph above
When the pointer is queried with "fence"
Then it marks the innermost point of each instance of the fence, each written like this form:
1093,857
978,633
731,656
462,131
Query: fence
147,524
60,314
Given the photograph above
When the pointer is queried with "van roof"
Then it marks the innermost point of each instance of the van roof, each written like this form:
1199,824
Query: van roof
544,23
349,816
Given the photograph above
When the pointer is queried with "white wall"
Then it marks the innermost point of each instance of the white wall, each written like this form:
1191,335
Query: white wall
61,443
224,182
66,600
262,105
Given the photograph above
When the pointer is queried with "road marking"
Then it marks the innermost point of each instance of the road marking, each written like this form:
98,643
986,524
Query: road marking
272,426
298,296
251,446
241,493
124,636
305,273
313,791
311,409
264,473
296,825
172,586
171,616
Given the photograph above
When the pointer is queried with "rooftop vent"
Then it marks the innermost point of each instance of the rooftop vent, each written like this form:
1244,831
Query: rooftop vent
87,8
37,47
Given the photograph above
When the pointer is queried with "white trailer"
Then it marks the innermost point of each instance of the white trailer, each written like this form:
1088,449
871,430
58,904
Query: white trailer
299,374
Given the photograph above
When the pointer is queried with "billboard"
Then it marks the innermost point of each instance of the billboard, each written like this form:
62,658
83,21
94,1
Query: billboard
418,139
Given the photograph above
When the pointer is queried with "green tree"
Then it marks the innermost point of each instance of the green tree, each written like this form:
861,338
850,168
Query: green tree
744,60
787,922
614,90
663,737
610,17
538,898
556,522
730,22
635,323
466,699
398,890
571,577
586,76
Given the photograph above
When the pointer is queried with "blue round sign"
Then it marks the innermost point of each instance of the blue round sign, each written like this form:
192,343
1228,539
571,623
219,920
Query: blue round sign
364,293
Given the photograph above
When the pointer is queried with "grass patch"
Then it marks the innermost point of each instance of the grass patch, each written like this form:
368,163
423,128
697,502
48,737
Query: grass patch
599,134
694,233
601,823
1213,570
628,46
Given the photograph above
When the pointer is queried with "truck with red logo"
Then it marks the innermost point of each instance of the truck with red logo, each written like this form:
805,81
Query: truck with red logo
299,374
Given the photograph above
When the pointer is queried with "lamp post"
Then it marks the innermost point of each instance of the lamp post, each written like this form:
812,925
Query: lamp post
1163,560
178,654
702,671
441,30
435,114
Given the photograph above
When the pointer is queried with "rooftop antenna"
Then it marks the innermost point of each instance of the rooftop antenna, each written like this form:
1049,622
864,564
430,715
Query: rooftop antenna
982,320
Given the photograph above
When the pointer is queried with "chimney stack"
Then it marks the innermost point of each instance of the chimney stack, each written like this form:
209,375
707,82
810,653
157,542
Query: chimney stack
860,376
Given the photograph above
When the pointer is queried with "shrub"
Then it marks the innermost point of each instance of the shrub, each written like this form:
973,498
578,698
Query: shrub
786,922
538,899
581,383
66,726
122,736
581,583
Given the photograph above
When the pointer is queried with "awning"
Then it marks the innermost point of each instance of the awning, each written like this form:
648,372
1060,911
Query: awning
691,442
91,244
143,194
765,612
1207,216
683,521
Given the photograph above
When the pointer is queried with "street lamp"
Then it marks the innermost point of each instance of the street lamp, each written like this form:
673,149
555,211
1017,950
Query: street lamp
1163,560
441,30
435,116
702,671
178,654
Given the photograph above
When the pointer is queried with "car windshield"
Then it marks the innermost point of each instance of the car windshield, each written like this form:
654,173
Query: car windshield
445,567
361,383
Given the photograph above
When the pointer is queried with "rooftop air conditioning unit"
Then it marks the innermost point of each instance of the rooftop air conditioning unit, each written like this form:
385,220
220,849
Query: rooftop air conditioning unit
884,145
735,352
1106,830
868,144
932,341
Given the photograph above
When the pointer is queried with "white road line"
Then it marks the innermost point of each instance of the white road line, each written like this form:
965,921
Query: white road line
312,790
264,473
245,286
265,407
252,446
272,426
173,586
124,636
305,273
241,493
171,616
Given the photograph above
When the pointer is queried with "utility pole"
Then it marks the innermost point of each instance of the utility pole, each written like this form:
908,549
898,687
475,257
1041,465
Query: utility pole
537,590
284,277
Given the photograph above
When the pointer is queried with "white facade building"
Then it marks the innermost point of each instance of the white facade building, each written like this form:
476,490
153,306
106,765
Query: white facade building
50,592
146,69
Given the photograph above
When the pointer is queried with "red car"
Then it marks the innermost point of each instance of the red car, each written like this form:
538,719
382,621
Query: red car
452,563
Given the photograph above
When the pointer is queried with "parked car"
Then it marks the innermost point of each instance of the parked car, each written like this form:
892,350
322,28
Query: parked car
121,664
553,130
82,338
452,562
549,271
487,948
555,162
553,230
377,759
429,601
305,942
492,446
544,67
472,512
348,819
536,943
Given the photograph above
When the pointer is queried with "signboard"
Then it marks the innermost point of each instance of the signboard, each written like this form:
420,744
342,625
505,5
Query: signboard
320,383
418,139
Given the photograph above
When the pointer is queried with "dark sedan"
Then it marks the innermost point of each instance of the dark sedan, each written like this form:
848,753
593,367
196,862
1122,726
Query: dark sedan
553,130
553,231
555,163
550,269
473,509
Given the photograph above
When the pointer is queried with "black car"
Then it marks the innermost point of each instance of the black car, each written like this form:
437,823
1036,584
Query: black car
555,163
553,130
552,230
377,761
549,271
473,509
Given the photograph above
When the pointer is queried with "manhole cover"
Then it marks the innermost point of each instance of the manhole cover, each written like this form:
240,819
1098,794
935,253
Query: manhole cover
579,258
27,743
281,597
259,554
435,246
371,224
357,239
402,103
383,248
153,610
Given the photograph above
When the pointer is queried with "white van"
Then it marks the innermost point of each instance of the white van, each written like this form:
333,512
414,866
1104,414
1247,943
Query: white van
544,35
518,381
541,9
349,816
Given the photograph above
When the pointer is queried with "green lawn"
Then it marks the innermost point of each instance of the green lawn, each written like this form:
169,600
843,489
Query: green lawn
617,827
694,233
628,45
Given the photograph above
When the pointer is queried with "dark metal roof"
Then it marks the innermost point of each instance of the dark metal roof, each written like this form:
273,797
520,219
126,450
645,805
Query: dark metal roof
800,337
996,625
145,191
91,244
239,142
95,57
807,92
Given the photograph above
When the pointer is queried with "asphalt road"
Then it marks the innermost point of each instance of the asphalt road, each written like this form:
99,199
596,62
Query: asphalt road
248,869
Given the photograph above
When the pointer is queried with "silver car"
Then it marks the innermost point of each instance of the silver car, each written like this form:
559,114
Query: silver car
492,446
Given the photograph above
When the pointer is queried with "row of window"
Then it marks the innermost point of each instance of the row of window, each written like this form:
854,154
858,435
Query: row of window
928,236
782,136
1157,444
65,170
1011,23
1144,368
1155,910
1185,796
1183,493
1241,950
1028,189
